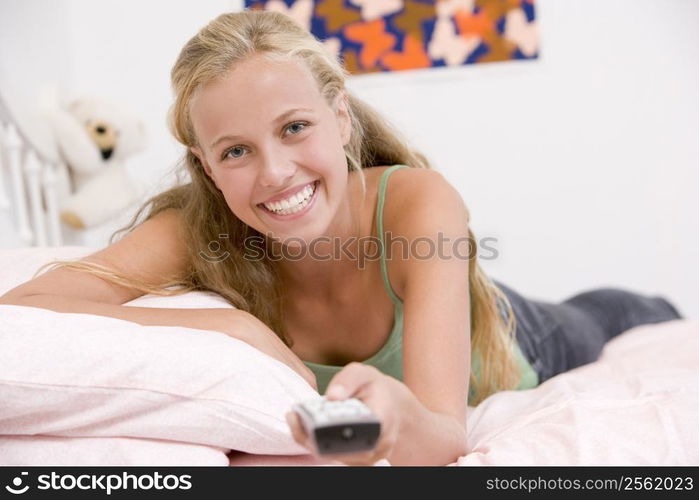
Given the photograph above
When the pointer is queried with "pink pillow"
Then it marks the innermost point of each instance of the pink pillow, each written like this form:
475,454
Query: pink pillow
66,451
83,375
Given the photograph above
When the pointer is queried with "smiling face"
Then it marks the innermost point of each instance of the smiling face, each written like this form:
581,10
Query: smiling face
273,146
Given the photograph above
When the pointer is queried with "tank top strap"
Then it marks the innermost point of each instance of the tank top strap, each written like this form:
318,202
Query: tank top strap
379,225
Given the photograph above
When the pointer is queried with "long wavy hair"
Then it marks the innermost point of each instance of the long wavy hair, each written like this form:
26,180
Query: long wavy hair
254,286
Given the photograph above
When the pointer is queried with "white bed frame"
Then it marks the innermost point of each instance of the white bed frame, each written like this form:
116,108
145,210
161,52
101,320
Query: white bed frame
28,185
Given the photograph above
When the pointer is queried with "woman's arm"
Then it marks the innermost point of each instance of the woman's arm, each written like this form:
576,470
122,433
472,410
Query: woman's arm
232,322
436,303
434,286
153,252
423,418
216,319
429,407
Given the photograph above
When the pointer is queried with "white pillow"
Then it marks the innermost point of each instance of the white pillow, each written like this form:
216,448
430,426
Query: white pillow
80,375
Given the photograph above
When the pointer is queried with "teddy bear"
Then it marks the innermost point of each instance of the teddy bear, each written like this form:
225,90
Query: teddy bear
94,138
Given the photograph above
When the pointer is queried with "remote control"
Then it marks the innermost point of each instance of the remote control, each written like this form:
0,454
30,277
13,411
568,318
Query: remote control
339,427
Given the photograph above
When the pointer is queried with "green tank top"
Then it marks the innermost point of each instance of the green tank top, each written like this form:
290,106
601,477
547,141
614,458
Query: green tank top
389,359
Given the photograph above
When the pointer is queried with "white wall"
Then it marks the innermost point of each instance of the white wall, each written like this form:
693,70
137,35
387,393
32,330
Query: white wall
125,49
29,59
118,49
584,164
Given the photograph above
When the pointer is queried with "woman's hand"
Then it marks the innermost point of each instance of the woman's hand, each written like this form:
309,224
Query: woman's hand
248,328
391,401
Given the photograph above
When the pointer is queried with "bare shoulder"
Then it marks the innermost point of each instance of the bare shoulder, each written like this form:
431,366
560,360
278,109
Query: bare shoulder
416,179
420,203
154,248
154,252
413,194
162,234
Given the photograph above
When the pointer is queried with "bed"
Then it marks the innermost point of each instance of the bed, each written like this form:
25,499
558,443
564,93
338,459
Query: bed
78,389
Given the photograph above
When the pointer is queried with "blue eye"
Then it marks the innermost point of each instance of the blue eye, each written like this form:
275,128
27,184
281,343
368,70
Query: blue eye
226,153
294,125
302,124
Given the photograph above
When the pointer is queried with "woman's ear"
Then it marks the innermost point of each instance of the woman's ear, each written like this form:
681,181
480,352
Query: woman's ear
202,160
343,117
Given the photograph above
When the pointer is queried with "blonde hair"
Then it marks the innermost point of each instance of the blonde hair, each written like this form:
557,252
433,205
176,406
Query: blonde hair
254,286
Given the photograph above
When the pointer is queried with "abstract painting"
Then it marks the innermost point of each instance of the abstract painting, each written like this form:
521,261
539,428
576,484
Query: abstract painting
394,35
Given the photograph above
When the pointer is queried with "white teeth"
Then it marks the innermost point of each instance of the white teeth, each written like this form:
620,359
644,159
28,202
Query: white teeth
293,204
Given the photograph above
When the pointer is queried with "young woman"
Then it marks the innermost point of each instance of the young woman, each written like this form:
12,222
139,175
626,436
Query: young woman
286,166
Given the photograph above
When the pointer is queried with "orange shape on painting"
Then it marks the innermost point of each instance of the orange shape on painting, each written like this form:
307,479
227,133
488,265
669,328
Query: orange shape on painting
470,24
413,56
374,39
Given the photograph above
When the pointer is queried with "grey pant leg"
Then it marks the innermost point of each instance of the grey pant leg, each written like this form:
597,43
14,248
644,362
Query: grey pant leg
559,337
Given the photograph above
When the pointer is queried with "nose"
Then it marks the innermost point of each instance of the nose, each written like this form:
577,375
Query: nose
276,170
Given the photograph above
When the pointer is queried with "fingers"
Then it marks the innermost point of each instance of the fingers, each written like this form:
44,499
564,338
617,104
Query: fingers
382,394
350,380
297,430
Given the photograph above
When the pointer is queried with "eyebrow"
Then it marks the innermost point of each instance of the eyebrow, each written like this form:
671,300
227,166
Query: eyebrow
278,119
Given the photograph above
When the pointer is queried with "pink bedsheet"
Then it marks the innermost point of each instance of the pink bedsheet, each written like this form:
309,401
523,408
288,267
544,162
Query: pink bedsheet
637,405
